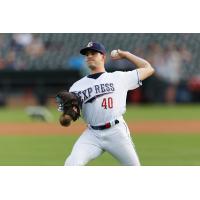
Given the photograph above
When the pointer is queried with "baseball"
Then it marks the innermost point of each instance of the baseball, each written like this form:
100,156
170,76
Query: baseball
114,53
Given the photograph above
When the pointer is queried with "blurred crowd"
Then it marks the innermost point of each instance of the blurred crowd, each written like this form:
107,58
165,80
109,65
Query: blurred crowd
14,51
26,51
174,80
169,83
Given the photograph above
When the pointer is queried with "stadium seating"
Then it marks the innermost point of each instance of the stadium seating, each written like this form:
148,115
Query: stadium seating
59,47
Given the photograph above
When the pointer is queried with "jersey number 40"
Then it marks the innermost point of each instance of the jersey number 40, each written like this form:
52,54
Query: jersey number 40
107,103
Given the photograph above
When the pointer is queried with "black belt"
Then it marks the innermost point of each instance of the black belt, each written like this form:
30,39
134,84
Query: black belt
105,126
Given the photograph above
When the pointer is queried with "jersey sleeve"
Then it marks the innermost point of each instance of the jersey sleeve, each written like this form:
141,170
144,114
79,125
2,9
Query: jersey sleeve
77,85
130,79
73,88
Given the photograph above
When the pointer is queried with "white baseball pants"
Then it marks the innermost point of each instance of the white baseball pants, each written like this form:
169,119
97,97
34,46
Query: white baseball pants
115,140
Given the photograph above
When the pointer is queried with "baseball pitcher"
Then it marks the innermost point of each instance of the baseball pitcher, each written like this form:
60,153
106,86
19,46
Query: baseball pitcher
101,99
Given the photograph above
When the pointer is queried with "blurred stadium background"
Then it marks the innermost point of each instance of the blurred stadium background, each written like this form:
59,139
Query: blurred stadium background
34,67
33,63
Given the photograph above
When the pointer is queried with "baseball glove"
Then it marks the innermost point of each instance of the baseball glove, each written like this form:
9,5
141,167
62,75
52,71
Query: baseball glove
69,103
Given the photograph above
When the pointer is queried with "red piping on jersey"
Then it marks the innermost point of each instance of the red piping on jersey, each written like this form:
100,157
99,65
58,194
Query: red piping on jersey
108,125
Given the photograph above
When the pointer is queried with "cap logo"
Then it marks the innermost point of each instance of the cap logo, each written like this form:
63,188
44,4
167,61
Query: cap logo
90,44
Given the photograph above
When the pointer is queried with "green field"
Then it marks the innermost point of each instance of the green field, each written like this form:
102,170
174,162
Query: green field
153,149
143,112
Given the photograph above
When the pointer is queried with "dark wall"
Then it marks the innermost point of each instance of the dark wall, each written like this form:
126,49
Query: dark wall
41,83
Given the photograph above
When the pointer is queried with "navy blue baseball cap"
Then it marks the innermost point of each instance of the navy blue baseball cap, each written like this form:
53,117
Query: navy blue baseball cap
95,47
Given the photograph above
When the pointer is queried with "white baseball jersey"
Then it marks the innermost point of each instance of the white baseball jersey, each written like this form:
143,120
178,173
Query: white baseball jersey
104,95
104,100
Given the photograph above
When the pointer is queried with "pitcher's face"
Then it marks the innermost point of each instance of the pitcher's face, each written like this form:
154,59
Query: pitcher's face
94,59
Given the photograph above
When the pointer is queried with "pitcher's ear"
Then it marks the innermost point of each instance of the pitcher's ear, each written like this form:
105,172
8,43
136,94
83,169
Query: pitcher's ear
104,56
